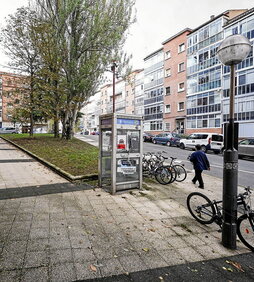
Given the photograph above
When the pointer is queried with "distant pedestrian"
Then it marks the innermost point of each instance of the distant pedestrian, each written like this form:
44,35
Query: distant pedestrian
200,163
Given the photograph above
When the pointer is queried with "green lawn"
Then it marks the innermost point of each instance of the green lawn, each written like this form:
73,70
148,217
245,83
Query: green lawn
73,156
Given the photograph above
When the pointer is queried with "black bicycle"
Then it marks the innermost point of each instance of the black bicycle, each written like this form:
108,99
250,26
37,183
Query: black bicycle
206,211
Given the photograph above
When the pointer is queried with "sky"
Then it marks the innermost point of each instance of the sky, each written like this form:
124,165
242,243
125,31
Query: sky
157,20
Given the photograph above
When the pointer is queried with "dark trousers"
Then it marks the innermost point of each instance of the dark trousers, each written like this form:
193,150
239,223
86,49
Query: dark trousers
198,177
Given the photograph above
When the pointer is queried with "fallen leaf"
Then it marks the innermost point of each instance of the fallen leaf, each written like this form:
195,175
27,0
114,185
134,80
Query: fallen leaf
146,249
151,229
236,265
98,195
161,278
93,268
228,269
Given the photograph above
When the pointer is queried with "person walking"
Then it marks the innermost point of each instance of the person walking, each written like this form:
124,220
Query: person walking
200,163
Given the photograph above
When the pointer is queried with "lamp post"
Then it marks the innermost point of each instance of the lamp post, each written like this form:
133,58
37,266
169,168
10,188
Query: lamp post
232,51
113,69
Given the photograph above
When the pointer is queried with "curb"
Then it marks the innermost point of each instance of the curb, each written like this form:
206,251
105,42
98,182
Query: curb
55,168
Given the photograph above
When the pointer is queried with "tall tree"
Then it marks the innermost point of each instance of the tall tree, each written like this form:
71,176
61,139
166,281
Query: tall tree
91,34
17,38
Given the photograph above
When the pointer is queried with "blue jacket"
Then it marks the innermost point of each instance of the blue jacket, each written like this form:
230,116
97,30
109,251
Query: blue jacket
199,160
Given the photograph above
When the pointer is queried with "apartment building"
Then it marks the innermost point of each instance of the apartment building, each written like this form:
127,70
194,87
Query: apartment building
204,74
174,49
9,98
244,99
153,91
139,93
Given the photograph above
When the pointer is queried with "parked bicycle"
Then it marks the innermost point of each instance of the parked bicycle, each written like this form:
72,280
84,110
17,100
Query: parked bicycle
180,172
206,211
152,165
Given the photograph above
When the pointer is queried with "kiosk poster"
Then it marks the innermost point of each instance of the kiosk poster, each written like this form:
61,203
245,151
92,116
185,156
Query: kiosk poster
121,142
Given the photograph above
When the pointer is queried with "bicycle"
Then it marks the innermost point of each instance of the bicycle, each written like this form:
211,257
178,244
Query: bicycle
206,211
152,165
180,171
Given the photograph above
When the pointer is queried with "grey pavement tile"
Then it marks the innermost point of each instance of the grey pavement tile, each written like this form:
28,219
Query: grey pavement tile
36,259
39,233
83,255
37,224
177,242
60,256
24,216
19,234
10,276
15,246
56,244
153,260
63,272
12,261
190,254
193,240
84,271
58,232
35,274
6,218
80,242
103,253
38,245
207,252
132,263
172,257
110,267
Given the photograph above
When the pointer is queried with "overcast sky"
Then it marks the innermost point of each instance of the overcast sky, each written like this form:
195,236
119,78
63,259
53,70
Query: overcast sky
157,20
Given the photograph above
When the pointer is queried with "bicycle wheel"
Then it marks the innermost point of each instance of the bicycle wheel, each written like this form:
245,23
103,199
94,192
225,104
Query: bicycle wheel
163,175
245,230
181,173
201,208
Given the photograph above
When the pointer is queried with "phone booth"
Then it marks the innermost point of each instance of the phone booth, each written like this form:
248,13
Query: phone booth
121,147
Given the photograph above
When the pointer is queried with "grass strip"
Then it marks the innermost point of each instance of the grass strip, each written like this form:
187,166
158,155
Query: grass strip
74,156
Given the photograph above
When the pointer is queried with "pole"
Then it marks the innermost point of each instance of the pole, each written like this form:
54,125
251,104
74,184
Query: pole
113,68
230,174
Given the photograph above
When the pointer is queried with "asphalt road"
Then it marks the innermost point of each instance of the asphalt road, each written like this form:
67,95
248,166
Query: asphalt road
245,167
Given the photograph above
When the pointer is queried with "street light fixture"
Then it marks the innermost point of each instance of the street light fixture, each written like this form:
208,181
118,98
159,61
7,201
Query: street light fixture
232,51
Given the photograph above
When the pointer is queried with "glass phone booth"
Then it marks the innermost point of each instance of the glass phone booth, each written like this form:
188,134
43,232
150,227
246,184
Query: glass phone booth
121,148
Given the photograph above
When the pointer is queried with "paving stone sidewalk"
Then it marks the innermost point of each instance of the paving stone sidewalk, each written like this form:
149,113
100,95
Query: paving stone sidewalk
52,230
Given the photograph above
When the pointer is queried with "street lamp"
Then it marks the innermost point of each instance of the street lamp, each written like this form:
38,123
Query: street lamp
232,51
113,69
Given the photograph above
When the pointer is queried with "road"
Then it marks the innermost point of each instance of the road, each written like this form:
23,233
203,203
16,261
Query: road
245,167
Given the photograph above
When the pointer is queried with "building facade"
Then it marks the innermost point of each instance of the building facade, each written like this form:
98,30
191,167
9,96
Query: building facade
153,91
204,75
9,97
174,49
244,94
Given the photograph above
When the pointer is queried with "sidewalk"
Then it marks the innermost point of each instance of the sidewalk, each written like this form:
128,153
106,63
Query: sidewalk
52,230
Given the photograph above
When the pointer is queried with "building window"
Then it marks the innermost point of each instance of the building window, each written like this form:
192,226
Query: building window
181,87
168,90
167,126
181,48
167,55
167,109
181,106
181,67
167,72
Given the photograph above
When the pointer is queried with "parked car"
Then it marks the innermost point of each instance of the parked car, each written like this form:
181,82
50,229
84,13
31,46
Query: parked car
167,138
148,137
208,141
246,148
10,130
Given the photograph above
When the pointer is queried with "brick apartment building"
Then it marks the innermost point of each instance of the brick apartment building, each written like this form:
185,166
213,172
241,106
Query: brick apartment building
9,98
175,81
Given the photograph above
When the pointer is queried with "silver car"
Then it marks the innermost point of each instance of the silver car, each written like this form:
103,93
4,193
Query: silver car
246,148
9,130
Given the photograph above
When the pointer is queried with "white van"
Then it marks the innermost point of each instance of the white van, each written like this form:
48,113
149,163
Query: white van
207,141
